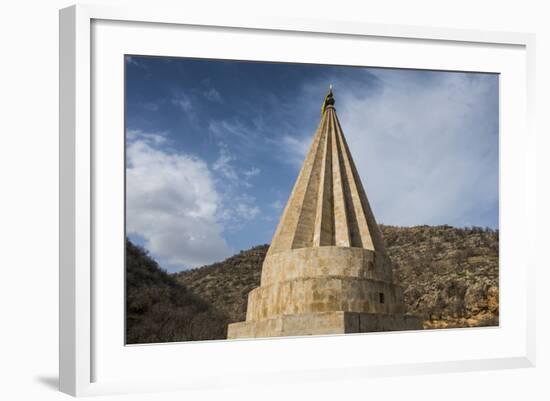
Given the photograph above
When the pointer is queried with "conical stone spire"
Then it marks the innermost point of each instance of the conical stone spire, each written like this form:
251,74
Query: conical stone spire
328,205
326,271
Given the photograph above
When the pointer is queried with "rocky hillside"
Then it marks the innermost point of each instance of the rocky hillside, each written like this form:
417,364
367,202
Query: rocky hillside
449,275
159,309
226,284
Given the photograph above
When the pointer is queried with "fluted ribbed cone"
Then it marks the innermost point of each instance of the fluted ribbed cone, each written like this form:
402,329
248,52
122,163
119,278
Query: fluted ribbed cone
326,271
328,205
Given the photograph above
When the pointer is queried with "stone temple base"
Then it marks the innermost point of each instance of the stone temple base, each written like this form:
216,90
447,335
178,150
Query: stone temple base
323,323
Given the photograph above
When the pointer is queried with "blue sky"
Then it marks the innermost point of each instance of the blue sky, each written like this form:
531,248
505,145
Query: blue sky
214,147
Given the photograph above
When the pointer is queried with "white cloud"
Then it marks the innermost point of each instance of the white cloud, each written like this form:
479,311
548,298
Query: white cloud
213,95
425,144
146,137
296,148
183,101
223,163
172,203
426,149
237,208
254,171
136,62
237,205
226,166
222,129
246,212
132,60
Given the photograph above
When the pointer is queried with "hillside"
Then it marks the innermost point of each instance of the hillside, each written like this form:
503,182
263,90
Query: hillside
159,309
449,275
226,284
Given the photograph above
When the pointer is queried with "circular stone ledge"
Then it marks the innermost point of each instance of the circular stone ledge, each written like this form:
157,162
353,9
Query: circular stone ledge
325,261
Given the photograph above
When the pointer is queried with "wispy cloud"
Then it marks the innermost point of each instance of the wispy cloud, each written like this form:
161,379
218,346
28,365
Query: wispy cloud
182,100
425,143
246,211
150,138
212,95
254,171
222,129
132,60
295,148
226,166
233,182
150,106
426,146
172,203
224,163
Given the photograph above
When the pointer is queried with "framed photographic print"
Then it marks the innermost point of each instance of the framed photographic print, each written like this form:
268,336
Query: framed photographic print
290,199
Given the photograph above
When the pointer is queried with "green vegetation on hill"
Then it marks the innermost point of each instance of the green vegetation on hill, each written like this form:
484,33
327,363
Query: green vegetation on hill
159,309
449,276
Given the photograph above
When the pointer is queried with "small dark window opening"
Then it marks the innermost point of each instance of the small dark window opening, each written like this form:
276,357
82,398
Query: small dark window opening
381,297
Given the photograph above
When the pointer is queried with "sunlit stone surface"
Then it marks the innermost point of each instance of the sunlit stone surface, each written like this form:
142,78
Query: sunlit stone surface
326,271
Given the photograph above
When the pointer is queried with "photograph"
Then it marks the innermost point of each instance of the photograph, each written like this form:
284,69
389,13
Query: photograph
274,199
290,200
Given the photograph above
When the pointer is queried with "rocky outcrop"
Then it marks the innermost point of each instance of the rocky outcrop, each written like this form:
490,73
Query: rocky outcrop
450,275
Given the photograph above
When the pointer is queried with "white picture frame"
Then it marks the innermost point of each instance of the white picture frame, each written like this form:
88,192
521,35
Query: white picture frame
82,344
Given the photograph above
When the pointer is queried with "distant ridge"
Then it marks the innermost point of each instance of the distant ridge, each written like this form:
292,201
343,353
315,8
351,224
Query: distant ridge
449,276
226,284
